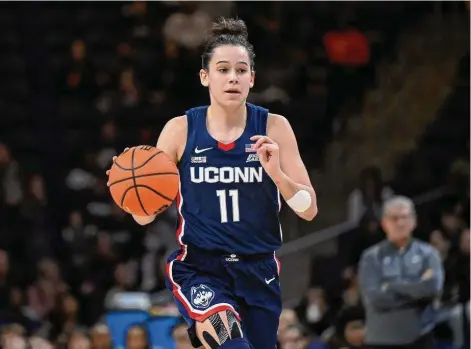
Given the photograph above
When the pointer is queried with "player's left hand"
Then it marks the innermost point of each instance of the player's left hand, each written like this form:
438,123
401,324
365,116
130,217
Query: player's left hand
269,154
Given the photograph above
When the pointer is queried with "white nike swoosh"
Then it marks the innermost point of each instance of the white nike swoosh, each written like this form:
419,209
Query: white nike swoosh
197,151
269,281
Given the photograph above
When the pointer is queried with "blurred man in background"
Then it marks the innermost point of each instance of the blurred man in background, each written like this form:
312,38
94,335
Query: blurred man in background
399,280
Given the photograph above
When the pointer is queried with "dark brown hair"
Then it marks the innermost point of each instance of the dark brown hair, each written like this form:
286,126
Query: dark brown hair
227,31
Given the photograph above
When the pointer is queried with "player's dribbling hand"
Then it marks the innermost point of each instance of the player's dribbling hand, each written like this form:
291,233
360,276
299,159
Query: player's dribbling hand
140,220
114,159
269,154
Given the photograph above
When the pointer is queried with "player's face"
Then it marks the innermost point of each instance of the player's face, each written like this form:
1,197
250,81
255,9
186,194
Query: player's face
229,77
398,223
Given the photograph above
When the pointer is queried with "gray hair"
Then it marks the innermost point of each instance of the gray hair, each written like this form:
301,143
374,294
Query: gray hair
398,201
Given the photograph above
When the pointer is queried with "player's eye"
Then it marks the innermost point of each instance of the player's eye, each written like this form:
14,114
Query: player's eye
241,71
223,70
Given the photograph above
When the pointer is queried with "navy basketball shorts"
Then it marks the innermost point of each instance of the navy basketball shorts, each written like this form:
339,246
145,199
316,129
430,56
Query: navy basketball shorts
204,284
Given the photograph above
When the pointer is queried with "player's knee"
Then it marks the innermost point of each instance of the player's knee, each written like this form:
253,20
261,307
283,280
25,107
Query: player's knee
222,330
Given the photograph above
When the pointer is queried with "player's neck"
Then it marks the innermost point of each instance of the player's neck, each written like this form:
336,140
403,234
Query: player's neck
222,118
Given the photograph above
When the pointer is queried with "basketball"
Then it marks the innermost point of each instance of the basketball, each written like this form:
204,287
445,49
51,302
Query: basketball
144,181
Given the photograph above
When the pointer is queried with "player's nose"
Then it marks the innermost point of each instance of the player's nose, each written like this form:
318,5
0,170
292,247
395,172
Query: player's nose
233,77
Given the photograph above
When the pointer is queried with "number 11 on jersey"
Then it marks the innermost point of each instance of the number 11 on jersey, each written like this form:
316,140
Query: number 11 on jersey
234,194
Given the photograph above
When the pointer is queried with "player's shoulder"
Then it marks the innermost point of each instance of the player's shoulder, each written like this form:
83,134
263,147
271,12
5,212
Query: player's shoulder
172,139
277,118
277,125
177,125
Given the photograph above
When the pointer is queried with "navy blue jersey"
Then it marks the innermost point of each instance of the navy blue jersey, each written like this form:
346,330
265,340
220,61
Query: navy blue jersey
227,202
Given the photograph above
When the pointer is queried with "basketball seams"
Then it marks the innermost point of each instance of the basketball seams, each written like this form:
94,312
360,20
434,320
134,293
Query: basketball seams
134,179
121,167
143,175
143,201
149,159
141,165
124,195
154,191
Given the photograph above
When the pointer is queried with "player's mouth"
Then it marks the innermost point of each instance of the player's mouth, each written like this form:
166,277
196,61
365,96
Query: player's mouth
233,91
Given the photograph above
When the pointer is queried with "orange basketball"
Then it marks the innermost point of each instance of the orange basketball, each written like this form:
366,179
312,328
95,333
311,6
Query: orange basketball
144,181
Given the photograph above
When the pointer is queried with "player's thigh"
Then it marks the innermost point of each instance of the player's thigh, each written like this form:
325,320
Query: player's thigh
261,326
218,329
201,293
200,296
260,289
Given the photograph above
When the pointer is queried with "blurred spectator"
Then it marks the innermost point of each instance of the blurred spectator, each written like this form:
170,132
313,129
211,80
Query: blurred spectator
400,280
351,296
288,318
77,239
37,218
42,295
137,338
180,336
451,226
12,336
464,282
98,278
100,337
65,317
365,235
78,340
314,311
15,311
83,176
129,92
188,27
153,263
369,196
5,279
443,247
79,79
39,343
463,269
349,330
11,192
123,281
109,144
14,341
295,337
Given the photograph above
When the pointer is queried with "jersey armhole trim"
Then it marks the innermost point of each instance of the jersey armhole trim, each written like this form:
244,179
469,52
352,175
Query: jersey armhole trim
266,122
186,151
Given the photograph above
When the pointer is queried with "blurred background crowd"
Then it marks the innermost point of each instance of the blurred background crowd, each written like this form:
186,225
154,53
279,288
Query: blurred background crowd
378,96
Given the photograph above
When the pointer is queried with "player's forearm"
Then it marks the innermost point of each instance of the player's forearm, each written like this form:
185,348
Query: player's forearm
288,188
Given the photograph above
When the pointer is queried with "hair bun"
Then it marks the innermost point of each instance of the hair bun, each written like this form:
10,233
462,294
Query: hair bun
229,26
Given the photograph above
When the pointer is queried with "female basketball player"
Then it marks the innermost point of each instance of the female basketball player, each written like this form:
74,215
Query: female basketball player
234,160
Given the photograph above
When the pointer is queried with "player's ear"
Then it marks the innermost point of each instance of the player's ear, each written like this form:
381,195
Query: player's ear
204,77
252,78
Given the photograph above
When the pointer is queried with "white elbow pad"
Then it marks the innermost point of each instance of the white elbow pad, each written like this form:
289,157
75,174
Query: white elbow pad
300,201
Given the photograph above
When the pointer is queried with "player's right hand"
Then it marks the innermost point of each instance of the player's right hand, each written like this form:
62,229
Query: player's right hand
141,220
144,220
114,159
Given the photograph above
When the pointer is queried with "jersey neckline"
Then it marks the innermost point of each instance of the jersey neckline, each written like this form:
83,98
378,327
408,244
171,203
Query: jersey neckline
230,145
